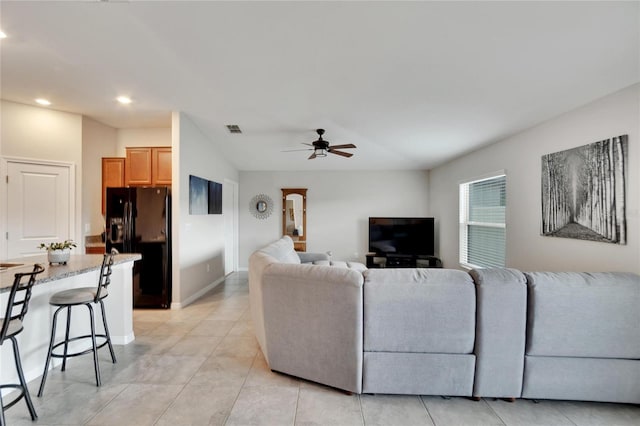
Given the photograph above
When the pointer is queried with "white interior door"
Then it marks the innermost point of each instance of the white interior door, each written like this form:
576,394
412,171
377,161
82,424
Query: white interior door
230,212
39,206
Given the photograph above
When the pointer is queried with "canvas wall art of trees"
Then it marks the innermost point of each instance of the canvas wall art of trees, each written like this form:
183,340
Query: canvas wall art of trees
583,192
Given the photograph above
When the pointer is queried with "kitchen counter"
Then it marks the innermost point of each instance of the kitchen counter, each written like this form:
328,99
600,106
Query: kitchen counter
93,244
80,271
77,264
93,241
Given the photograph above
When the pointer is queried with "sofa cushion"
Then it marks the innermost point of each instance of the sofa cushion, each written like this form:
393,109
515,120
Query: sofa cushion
496,277
501,323
310,257
419,310
585,379
341,264
282,250
313,323
583,314
418,373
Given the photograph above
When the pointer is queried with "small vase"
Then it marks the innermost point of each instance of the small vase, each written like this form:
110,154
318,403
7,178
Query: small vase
58,256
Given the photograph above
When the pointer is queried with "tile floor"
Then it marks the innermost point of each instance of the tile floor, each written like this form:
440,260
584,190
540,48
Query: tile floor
201,366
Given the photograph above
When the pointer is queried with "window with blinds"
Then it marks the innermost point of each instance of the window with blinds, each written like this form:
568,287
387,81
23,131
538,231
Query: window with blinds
483,222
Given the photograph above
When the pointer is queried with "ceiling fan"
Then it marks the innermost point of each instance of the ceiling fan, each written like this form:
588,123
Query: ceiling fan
320,147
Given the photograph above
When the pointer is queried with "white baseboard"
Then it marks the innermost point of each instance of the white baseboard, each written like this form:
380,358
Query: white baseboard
245,269
123,340
197,295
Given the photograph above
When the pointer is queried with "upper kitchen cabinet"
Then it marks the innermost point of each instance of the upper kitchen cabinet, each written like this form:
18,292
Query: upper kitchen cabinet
148,166
161,166
112,175
138,167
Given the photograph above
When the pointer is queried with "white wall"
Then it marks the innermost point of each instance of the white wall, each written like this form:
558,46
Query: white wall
520,156
198,240
155,136
338,207
43,134
98,140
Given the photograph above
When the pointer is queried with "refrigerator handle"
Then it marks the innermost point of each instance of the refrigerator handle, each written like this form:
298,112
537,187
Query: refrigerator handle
125,228
130,227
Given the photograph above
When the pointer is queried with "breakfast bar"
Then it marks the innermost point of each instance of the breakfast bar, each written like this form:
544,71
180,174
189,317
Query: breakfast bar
79,271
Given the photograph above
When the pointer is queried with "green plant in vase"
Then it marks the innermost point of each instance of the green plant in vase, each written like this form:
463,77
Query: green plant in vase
58,252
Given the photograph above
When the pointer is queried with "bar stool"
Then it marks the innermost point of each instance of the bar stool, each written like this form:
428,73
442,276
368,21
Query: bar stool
10,326
86,296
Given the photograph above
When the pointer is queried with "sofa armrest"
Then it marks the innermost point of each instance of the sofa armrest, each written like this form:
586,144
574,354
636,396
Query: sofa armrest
501,320
313,323
312,257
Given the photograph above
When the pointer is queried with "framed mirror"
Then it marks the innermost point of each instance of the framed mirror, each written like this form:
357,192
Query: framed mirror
294,216
261,206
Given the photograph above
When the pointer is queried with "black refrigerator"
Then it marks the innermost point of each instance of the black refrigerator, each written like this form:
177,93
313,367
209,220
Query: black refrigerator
138,220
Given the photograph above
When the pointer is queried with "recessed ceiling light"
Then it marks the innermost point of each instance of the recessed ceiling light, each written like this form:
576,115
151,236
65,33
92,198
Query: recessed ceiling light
123,99
42,101
2,35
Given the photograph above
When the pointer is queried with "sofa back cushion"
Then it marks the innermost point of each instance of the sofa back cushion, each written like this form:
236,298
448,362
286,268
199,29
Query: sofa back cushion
313,323
360,267
501,329
583,314
419,310
282,250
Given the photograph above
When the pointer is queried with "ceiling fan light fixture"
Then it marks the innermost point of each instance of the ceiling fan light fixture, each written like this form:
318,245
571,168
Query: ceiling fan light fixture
320,152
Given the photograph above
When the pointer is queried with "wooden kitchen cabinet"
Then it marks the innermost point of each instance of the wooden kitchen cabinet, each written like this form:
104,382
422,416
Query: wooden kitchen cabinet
148,166
112,176
138,167
161,166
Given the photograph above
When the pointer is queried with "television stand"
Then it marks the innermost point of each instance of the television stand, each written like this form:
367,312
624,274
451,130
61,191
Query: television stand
376,260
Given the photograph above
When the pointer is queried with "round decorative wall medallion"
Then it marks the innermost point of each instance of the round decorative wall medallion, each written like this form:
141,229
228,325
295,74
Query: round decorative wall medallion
261,206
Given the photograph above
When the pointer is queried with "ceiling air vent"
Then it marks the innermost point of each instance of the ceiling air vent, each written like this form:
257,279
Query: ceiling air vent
234,128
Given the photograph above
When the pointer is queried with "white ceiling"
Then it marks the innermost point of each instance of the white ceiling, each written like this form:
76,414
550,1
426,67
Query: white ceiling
412,84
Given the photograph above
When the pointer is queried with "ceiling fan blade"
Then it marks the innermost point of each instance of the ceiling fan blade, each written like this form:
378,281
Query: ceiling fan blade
349,145
344,154
294,150
312,156
309,144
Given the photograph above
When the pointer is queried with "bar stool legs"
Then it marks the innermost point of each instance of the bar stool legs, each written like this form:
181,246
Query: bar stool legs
96,365
94,345
50,351
2,420
23,382
106,331
11,325
86,296
24,392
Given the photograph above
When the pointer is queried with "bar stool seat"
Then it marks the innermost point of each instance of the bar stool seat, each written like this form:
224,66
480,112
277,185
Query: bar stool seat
14,327
76,296
10,326
86,296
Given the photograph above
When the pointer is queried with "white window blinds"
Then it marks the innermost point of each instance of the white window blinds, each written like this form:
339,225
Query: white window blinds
483,222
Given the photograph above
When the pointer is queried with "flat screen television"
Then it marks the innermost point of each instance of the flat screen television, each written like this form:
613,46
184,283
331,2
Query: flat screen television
401,236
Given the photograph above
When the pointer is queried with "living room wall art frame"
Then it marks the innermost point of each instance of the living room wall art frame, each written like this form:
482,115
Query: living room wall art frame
205,196
198,195
584,192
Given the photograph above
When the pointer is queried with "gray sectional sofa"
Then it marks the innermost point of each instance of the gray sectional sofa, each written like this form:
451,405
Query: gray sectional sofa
487,333
419,329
